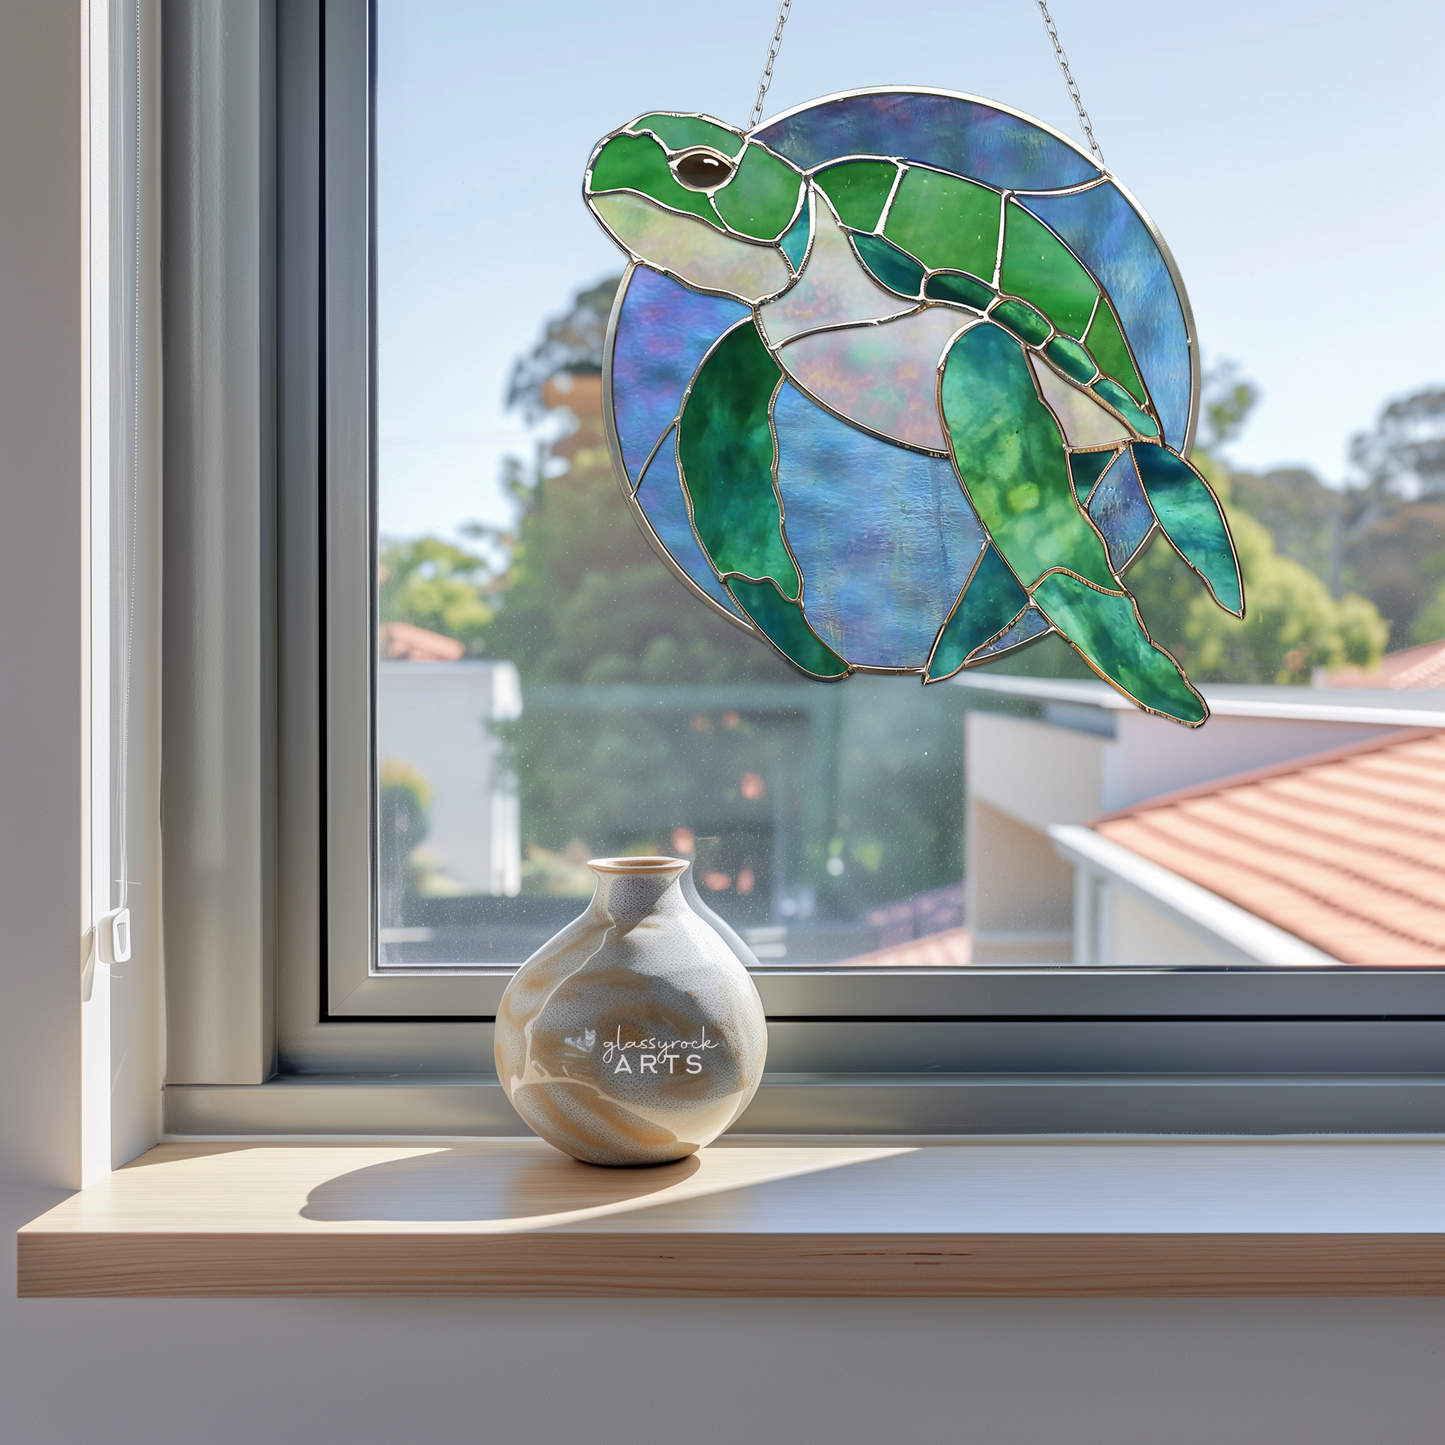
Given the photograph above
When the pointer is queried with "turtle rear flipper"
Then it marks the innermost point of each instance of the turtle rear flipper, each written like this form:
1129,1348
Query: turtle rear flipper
1105,629
1191,517
782,622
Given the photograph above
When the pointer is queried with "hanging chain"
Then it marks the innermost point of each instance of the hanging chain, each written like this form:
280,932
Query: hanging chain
766,79
776,44
1068,80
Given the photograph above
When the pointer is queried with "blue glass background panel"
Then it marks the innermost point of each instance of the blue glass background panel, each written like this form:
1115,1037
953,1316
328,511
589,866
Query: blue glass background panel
1029,624
1107,235
939,130
1121,511
660,497
884,537
663,331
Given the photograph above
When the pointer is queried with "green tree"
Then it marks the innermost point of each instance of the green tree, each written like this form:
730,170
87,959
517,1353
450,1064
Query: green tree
1404,452
1228,398
1291,625
402,822
435,585
1429,624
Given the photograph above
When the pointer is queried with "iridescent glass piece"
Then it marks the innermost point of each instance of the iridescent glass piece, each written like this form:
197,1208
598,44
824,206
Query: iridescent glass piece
834,290
884,378
1038,265
725,454
785,625
965,290
1193,521
762,197
1121,511
986,606
1028,626
1072,359
1086,468
1025,321
1007,448
1107,346
692,250
1082,420
678,132
795,243
1125,405
635,163
1106,630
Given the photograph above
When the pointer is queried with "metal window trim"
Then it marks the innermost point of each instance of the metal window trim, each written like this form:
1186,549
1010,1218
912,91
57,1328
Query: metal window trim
337,1021
218,626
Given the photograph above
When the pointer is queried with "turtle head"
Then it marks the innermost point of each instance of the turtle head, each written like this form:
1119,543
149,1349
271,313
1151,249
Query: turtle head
701,201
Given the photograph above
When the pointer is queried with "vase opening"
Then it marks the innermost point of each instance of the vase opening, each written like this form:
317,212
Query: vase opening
639,867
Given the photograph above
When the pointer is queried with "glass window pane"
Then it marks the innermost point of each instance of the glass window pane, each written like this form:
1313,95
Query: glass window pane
549,689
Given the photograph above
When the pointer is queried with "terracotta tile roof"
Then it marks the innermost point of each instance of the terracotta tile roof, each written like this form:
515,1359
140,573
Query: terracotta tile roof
1344,849
1409,669
404,642
953,948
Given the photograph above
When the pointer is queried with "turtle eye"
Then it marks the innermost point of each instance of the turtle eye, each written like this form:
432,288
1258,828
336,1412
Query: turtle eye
702,170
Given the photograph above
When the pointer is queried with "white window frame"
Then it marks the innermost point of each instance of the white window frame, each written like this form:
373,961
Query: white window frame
278,1018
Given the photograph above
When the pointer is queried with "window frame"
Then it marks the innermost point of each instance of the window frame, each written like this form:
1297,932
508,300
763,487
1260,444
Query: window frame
271,976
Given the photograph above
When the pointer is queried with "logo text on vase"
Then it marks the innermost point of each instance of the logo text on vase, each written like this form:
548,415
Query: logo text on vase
663,1055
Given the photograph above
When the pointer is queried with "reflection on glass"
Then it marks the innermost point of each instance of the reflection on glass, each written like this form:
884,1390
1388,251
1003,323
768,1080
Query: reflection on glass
548,692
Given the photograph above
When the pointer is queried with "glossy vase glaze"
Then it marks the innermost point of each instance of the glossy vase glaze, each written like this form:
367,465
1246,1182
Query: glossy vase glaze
635,1036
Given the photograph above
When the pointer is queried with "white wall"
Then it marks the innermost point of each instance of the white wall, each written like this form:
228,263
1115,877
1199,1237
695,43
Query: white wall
436,717
512,1372
1150,756
1022,776
1139,934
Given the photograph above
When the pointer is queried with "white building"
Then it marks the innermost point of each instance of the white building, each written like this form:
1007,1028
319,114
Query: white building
437,717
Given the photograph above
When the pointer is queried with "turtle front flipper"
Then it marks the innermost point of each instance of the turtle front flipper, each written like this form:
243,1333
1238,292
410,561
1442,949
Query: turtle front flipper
1009,453
727,459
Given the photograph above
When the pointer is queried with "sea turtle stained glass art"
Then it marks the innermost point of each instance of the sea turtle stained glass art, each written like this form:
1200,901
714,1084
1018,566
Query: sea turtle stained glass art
902,380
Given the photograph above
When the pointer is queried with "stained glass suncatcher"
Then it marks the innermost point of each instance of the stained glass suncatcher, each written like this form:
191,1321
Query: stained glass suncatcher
902,381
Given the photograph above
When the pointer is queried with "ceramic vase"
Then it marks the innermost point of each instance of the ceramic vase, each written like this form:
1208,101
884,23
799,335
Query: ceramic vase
635,1036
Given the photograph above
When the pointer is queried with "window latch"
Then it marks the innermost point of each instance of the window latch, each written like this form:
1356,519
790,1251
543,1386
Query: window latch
112,936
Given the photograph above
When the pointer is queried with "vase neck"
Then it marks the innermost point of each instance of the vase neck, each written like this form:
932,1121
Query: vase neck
631,889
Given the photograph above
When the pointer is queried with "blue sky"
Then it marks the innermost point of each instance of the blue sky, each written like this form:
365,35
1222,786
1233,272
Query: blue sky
1292,154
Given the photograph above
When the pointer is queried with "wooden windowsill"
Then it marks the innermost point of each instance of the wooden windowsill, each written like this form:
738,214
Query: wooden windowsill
987,1217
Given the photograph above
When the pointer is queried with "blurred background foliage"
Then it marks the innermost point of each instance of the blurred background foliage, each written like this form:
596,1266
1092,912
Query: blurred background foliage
576,598
432,584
